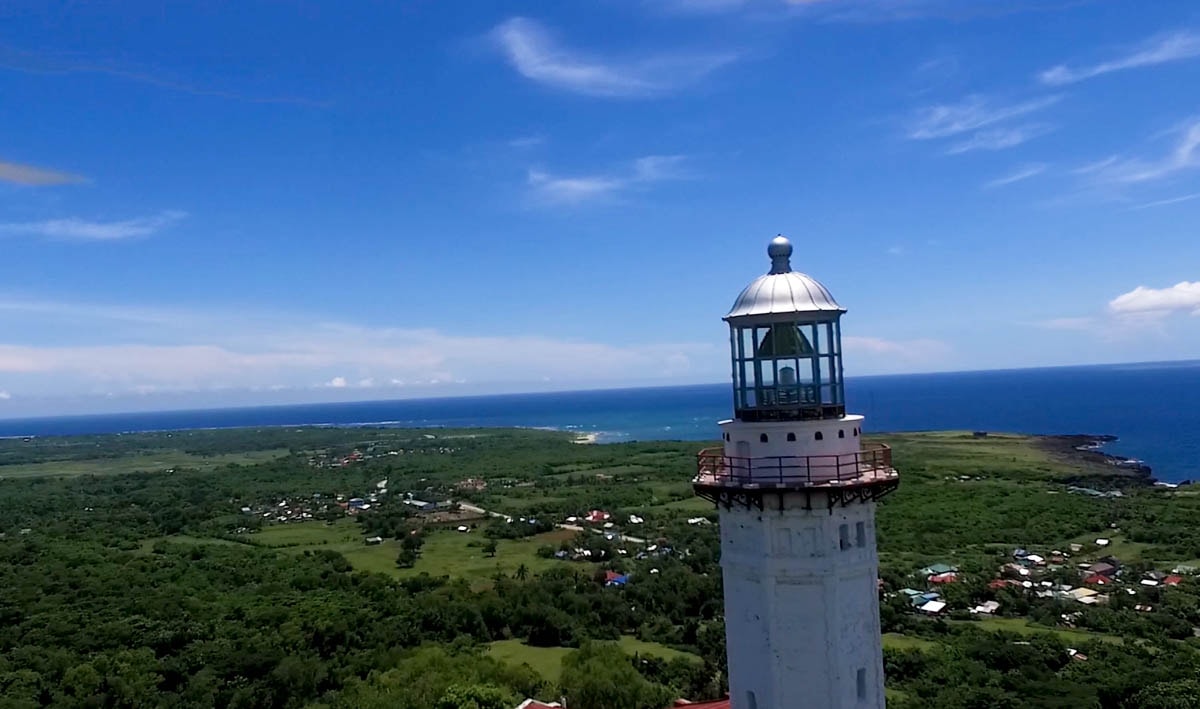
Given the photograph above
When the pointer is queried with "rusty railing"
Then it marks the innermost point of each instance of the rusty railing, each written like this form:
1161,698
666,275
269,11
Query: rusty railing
874,461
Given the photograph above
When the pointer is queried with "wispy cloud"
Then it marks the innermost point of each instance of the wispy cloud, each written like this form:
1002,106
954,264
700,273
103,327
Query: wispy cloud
538,56
74,229
35,176
1021,173
1185,155
1168,201
1078,324
999,138
240,349
700,6
526,141
26,62
877,11
1158,50
900,355
1181,297
970,114
571,190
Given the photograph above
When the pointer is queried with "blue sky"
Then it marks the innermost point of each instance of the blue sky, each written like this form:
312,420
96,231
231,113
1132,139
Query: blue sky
207,204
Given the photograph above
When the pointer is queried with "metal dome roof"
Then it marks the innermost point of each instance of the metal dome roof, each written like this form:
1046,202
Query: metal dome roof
783,290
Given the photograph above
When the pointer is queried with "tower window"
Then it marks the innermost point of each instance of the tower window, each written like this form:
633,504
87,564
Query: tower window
751,701
762,438
861,681
856,431
841,433
860,533
819,436
844,536
791,437
727,436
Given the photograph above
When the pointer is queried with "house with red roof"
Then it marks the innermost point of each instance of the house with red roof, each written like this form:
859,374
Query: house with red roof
1173,580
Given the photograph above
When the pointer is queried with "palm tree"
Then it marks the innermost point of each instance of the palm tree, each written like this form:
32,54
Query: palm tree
521,573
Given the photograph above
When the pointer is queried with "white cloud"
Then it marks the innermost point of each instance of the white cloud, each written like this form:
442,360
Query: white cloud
972,113
999,138
537,56
84,230
1168,201
883,355
1021,173
1080,324
1181,297
4,395
239,350
1158,50
1185,155
701,6
526,141
571,190
35,176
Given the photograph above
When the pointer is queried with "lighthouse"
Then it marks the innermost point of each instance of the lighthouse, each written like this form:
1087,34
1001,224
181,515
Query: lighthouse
796,489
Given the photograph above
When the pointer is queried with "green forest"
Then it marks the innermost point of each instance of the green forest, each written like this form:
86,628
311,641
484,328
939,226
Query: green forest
375,567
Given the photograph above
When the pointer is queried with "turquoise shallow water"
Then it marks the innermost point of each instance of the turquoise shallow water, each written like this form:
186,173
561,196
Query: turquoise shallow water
1154,410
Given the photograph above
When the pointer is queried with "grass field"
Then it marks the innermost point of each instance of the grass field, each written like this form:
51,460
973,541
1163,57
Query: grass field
896,641
159,461
1022,626
547,661
1118,547
460,555
309,534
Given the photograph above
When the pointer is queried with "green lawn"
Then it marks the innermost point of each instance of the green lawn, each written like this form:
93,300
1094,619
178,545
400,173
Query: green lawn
158,461
1118,547
1024,627
691,504
457,554
312,534
547,661
897,641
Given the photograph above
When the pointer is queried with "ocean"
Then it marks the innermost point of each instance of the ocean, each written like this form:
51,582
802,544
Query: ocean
1153,409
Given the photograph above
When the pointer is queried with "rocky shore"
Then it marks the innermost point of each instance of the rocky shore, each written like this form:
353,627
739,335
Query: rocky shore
1102,468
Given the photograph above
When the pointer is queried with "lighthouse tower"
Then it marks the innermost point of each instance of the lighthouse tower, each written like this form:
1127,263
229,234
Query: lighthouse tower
796,489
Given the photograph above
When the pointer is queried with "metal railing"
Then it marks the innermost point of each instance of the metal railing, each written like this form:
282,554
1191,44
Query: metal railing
873,462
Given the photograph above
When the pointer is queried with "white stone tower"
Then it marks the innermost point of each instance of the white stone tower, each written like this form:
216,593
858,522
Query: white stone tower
796,489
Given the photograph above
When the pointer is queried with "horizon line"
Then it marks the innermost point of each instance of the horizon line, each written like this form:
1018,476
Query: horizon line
547,392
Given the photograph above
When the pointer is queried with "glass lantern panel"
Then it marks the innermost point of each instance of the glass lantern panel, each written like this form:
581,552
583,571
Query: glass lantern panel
785,340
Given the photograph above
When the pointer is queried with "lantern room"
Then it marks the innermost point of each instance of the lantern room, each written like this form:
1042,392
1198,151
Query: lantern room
785,344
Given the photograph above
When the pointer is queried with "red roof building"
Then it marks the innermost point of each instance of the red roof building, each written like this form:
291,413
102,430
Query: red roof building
1097,580
716,704
535,704
598,516
1173,580
948,577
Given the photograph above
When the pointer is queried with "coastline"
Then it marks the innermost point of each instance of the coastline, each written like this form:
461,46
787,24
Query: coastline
1115,470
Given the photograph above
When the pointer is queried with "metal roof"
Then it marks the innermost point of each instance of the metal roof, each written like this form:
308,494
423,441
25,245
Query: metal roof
783,290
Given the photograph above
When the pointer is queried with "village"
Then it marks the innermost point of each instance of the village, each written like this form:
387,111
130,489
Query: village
1085,574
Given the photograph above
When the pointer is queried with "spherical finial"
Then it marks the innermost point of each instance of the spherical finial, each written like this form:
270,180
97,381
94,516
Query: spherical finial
780,252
